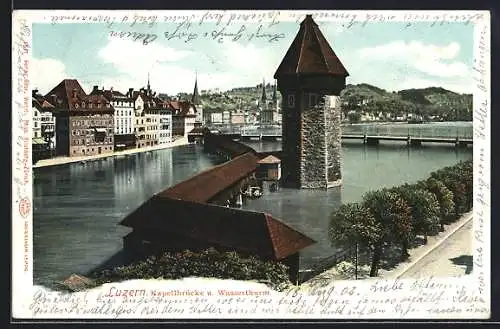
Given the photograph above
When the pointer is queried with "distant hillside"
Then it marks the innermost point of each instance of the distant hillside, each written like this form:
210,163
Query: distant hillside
430,101
363,97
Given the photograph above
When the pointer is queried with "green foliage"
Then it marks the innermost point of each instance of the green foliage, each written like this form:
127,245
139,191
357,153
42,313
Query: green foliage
459,180
444,197
426,102
391,212
208,263
425,210
353,224
396,215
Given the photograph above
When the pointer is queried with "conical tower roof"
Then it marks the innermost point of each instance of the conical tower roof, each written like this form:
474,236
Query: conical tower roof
310,53
196,96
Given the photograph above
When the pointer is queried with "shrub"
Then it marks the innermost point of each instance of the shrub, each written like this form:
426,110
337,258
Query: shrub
208,263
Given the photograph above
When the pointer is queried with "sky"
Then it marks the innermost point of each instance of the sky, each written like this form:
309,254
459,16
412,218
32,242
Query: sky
391,56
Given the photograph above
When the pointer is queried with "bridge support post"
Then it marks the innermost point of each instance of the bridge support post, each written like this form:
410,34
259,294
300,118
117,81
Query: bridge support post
372,141
415,142
365,139
461,144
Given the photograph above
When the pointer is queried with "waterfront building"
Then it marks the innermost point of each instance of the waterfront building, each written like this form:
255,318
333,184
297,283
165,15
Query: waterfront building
207,117
183,117
165,123
216,118
124,116
36,109
139,126
226,117
237,118
310,79
84,123
152,118
44,121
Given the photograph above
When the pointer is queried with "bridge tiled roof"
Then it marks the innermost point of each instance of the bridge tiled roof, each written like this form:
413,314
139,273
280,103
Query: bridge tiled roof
240,230
209,183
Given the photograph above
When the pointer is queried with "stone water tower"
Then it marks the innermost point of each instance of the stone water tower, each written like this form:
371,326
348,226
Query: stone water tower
310,79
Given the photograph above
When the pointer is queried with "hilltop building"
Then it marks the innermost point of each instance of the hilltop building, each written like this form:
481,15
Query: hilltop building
310,79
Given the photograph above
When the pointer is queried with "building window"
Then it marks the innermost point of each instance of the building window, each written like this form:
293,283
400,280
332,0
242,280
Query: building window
313,99
291,100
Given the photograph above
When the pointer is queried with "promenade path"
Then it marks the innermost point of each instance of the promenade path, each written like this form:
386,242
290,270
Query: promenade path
453,257
447,254
64,160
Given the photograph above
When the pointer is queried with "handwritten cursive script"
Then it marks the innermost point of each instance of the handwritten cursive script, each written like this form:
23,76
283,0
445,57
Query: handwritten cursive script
381,298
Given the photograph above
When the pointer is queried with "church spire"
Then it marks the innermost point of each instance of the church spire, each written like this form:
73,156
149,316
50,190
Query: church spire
149,86
263,97
196,96
275,96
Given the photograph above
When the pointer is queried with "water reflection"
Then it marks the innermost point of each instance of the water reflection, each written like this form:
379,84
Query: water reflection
77,206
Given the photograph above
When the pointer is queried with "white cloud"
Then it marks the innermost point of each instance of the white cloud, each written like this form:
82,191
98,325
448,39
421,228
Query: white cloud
46,73
426,58
233,65
133,57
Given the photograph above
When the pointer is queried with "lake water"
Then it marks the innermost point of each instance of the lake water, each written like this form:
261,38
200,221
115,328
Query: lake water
77,207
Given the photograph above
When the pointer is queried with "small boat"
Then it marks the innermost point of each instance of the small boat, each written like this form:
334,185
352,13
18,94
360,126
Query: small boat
253,192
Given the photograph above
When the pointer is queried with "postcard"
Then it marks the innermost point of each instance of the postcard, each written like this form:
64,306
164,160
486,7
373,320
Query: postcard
209,164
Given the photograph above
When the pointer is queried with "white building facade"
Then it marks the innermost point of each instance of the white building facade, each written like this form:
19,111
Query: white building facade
165,126
124,117
44,121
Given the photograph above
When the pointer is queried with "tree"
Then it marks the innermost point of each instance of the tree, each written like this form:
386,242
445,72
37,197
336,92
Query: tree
353,224
394,216
444,198
458,179
424,209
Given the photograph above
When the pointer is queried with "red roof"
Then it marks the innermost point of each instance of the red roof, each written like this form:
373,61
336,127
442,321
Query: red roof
181,107
69,95
270,159
40,103
209,183
310,53
241,230
110,94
